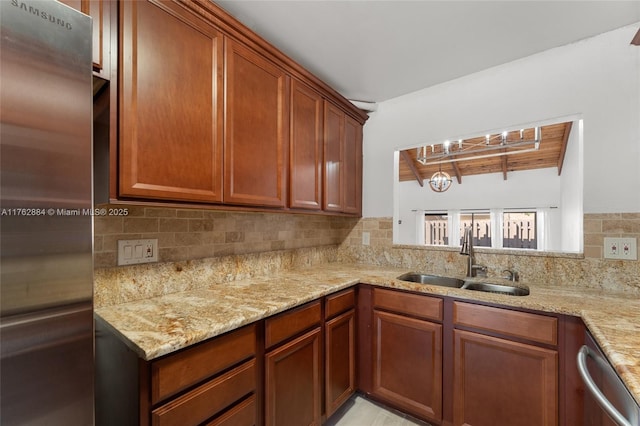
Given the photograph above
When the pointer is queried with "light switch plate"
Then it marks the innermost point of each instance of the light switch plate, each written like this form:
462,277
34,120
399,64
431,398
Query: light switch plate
131,252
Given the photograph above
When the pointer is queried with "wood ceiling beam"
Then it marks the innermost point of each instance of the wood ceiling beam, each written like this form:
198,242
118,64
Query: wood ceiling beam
563,147
456,171
504,166
636,39
412,166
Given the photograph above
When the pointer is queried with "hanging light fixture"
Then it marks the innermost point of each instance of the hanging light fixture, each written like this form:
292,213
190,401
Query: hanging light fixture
440,181
477,148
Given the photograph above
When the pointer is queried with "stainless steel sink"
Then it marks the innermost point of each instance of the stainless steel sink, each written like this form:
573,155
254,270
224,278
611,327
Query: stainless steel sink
495,288
416,277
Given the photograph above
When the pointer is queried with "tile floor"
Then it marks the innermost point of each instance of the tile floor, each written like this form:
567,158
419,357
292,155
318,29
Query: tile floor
359,411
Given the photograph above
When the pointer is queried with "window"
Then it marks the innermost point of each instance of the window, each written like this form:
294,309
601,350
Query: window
519,230
497,228
435,229
481,225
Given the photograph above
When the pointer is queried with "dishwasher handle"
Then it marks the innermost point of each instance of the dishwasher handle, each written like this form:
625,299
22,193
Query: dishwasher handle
593,388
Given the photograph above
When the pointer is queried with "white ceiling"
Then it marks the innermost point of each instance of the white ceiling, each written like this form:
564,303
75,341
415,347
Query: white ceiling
374,50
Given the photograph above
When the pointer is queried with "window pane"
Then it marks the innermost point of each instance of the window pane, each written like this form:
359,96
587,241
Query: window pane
519,230
481,223
435,229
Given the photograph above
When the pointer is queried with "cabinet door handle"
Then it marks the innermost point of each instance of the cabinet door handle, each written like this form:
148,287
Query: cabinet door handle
593,388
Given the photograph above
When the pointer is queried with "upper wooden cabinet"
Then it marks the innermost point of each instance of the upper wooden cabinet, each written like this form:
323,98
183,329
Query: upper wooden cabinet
352,183
333,154
256,129
100,11
305,180
170,104
342,161
210,113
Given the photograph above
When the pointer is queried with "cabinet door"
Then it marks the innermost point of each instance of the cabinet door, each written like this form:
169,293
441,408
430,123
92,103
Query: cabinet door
100,11
170,104
352,166
499,382
342,162
333,158
293,384
256,129
339,361
306,147
407,364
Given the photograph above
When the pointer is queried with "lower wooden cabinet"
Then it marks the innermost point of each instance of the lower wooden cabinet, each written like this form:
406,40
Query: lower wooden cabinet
339,360
506,367
209,399
215,382
243,414
293,382
407,364
446,361
499,382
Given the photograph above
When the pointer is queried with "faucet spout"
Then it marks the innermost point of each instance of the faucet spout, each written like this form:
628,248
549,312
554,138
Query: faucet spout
467,250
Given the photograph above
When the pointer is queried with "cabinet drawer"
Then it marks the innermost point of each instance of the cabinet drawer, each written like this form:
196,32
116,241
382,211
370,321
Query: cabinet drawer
176,372
340,302
205,401
538,328
243,414
411,304
288,324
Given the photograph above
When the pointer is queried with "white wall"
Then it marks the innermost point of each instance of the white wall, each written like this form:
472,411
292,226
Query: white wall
571,192
597,79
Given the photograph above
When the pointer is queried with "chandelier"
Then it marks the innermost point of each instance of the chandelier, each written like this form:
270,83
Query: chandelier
440,181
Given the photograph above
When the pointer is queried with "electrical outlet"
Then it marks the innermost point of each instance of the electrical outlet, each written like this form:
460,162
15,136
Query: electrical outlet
366,238
611,248
628,249
131,252
620,248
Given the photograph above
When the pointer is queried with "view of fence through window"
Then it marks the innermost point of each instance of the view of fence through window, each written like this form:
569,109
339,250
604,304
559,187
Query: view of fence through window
519,229
481,225
435,228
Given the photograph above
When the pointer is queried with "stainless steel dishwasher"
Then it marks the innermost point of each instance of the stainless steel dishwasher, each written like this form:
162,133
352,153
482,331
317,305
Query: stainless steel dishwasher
607,400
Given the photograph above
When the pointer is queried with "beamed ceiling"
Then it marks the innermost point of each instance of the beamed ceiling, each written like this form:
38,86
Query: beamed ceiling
504,157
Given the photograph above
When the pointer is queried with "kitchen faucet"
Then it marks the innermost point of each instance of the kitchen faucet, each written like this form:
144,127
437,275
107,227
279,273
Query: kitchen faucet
467,250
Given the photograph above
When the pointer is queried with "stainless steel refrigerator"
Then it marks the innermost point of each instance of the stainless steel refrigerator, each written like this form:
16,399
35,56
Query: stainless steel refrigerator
46,227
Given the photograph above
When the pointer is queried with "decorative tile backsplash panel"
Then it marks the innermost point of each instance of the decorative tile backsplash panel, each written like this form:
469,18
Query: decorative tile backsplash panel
203,247
588,270
185,234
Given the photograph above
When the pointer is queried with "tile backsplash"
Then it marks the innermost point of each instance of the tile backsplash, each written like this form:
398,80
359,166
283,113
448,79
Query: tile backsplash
200,247
590,270
187,234
599,226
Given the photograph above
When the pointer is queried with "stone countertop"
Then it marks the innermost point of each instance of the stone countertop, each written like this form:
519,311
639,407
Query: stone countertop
160,325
